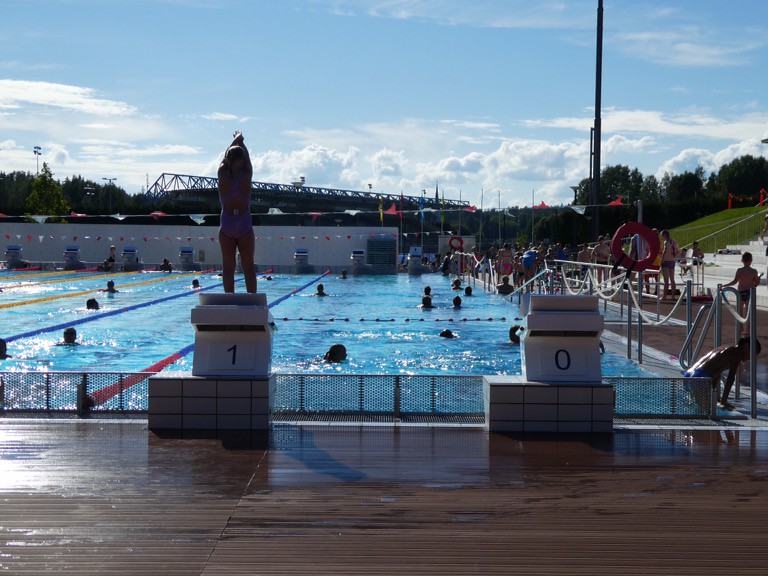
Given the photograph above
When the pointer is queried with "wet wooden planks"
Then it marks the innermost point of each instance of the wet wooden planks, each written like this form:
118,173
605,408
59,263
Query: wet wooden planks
91,498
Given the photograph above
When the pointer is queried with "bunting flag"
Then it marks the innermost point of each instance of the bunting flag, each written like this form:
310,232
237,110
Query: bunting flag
421,206
381,209
392,210
542,205
437,196
616,202
470,209
578,208
442,209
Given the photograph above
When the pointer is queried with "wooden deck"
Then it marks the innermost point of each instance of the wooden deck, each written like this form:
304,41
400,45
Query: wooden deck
110,497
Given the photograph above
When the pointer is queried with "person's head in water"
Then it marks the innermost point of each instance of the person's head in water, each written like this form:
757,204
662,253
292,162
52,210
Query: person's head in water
457,301
195,283
344,274
447,334
514,337
468,291
92,304
70,335
3,350
321,290
426,301
428,290
336,353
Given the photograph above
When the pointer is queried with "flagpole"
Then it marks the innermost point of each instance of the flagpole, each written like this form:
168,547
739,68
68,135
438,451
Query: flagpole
481,218
499,215
533,204
460,211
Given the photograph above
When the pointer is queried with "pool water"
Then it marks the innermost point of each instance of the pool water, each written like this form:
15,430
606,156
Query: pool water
377,318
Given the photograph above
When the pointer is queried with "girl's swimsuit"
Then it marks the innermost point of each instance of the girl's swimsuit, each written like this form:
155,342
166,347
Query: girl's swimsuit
235,225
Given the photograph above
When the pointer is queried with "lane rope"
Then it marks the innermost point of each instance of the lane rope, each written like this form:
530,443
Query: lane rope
103,394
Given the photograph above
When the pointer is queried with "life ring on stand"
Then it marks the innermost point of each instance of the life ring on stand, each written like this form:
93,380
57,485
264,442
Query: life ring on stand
622,258
456,243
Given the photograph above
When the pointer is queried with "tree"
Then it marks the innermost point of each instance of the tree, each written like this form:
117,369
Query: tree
651,189
685,186
615,181
743,176
46,196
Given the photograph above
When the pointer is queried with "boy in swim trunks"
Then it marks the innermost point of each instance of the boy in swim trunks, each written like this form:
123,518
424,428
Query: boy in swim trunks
236,228
713,364
745,279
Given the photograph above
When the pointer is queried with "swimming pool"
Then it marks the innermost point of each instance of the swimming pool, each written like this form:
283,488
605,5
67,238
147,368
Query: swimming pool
377,318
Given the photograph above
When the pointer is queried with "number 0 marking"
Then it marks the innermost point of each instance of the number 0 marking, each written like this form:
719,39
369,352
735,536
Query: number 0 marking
234,353
558,355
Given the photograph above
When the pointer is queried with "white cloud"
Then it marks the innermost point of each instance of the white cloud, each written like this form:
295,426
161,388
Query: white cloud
17,93
224,117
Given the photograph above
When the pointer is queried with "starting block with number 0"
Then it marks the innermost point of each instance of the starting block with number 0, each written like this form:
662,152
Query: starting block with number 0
562,340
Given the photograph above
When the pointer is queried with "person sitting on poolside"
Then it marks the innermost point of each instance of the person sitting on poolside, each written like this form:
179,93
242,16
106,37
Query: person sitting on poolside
447,334
4,350
457,301
514,337
336,353
713,364
505,287
70,337
166,266
110,287
321,290
426,302
91,304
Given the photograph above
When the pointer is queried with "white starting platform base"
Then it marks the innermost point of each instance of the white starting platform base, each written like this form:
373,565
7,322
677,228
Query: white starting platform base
561,388
233,336
514,405
181,401
561,342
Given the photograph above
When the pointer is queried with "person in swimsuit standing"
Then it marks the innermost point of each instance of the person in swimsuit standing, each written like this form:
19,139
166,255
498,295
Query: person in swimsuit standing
236,228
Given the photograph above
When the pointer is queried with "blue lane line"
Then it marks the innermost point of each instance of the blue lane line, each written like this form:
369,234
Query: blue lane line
91,318
187,349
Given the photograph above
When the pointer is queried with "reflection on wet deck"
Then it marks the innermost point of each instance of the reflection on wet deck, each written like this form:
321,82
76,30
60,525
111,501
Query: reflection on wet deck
87,497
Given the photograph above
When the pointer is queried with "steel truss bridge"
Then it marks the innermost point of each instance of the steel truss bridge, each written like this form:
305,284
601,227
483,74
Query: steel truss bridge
291,197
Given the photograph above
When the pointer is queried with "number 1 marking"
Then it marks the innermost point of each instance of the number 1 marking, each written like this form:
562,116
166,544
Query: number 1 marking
234,353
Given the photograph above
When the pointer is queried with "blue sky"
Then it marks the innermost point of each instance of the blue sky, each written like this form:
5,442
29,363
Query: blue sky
489,95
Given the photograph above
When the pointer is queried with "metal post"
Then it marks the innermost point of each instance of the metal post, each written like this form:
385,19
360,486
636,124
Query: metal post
718,336
397,397
82,396
689,314
639,318
753,351
628,285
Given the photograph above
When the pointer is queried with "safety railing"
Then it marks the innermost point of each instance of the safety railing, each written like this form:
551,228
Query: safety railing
397,395
663,397
74,392
357,397
736,231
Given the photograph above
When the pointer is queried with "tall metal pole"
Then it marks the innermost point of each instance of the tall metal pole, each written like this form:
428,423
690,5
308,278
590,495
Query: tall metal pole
110,182
598,121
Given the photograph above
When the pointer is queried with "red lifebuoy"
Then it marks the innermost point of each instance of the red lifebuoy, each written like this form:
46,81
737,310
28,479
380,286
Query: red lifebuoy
622,258
456,243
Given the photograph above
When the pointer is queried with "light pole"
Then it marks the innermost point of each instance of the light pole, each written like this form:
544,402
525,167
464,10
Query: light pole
38,151
109,190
